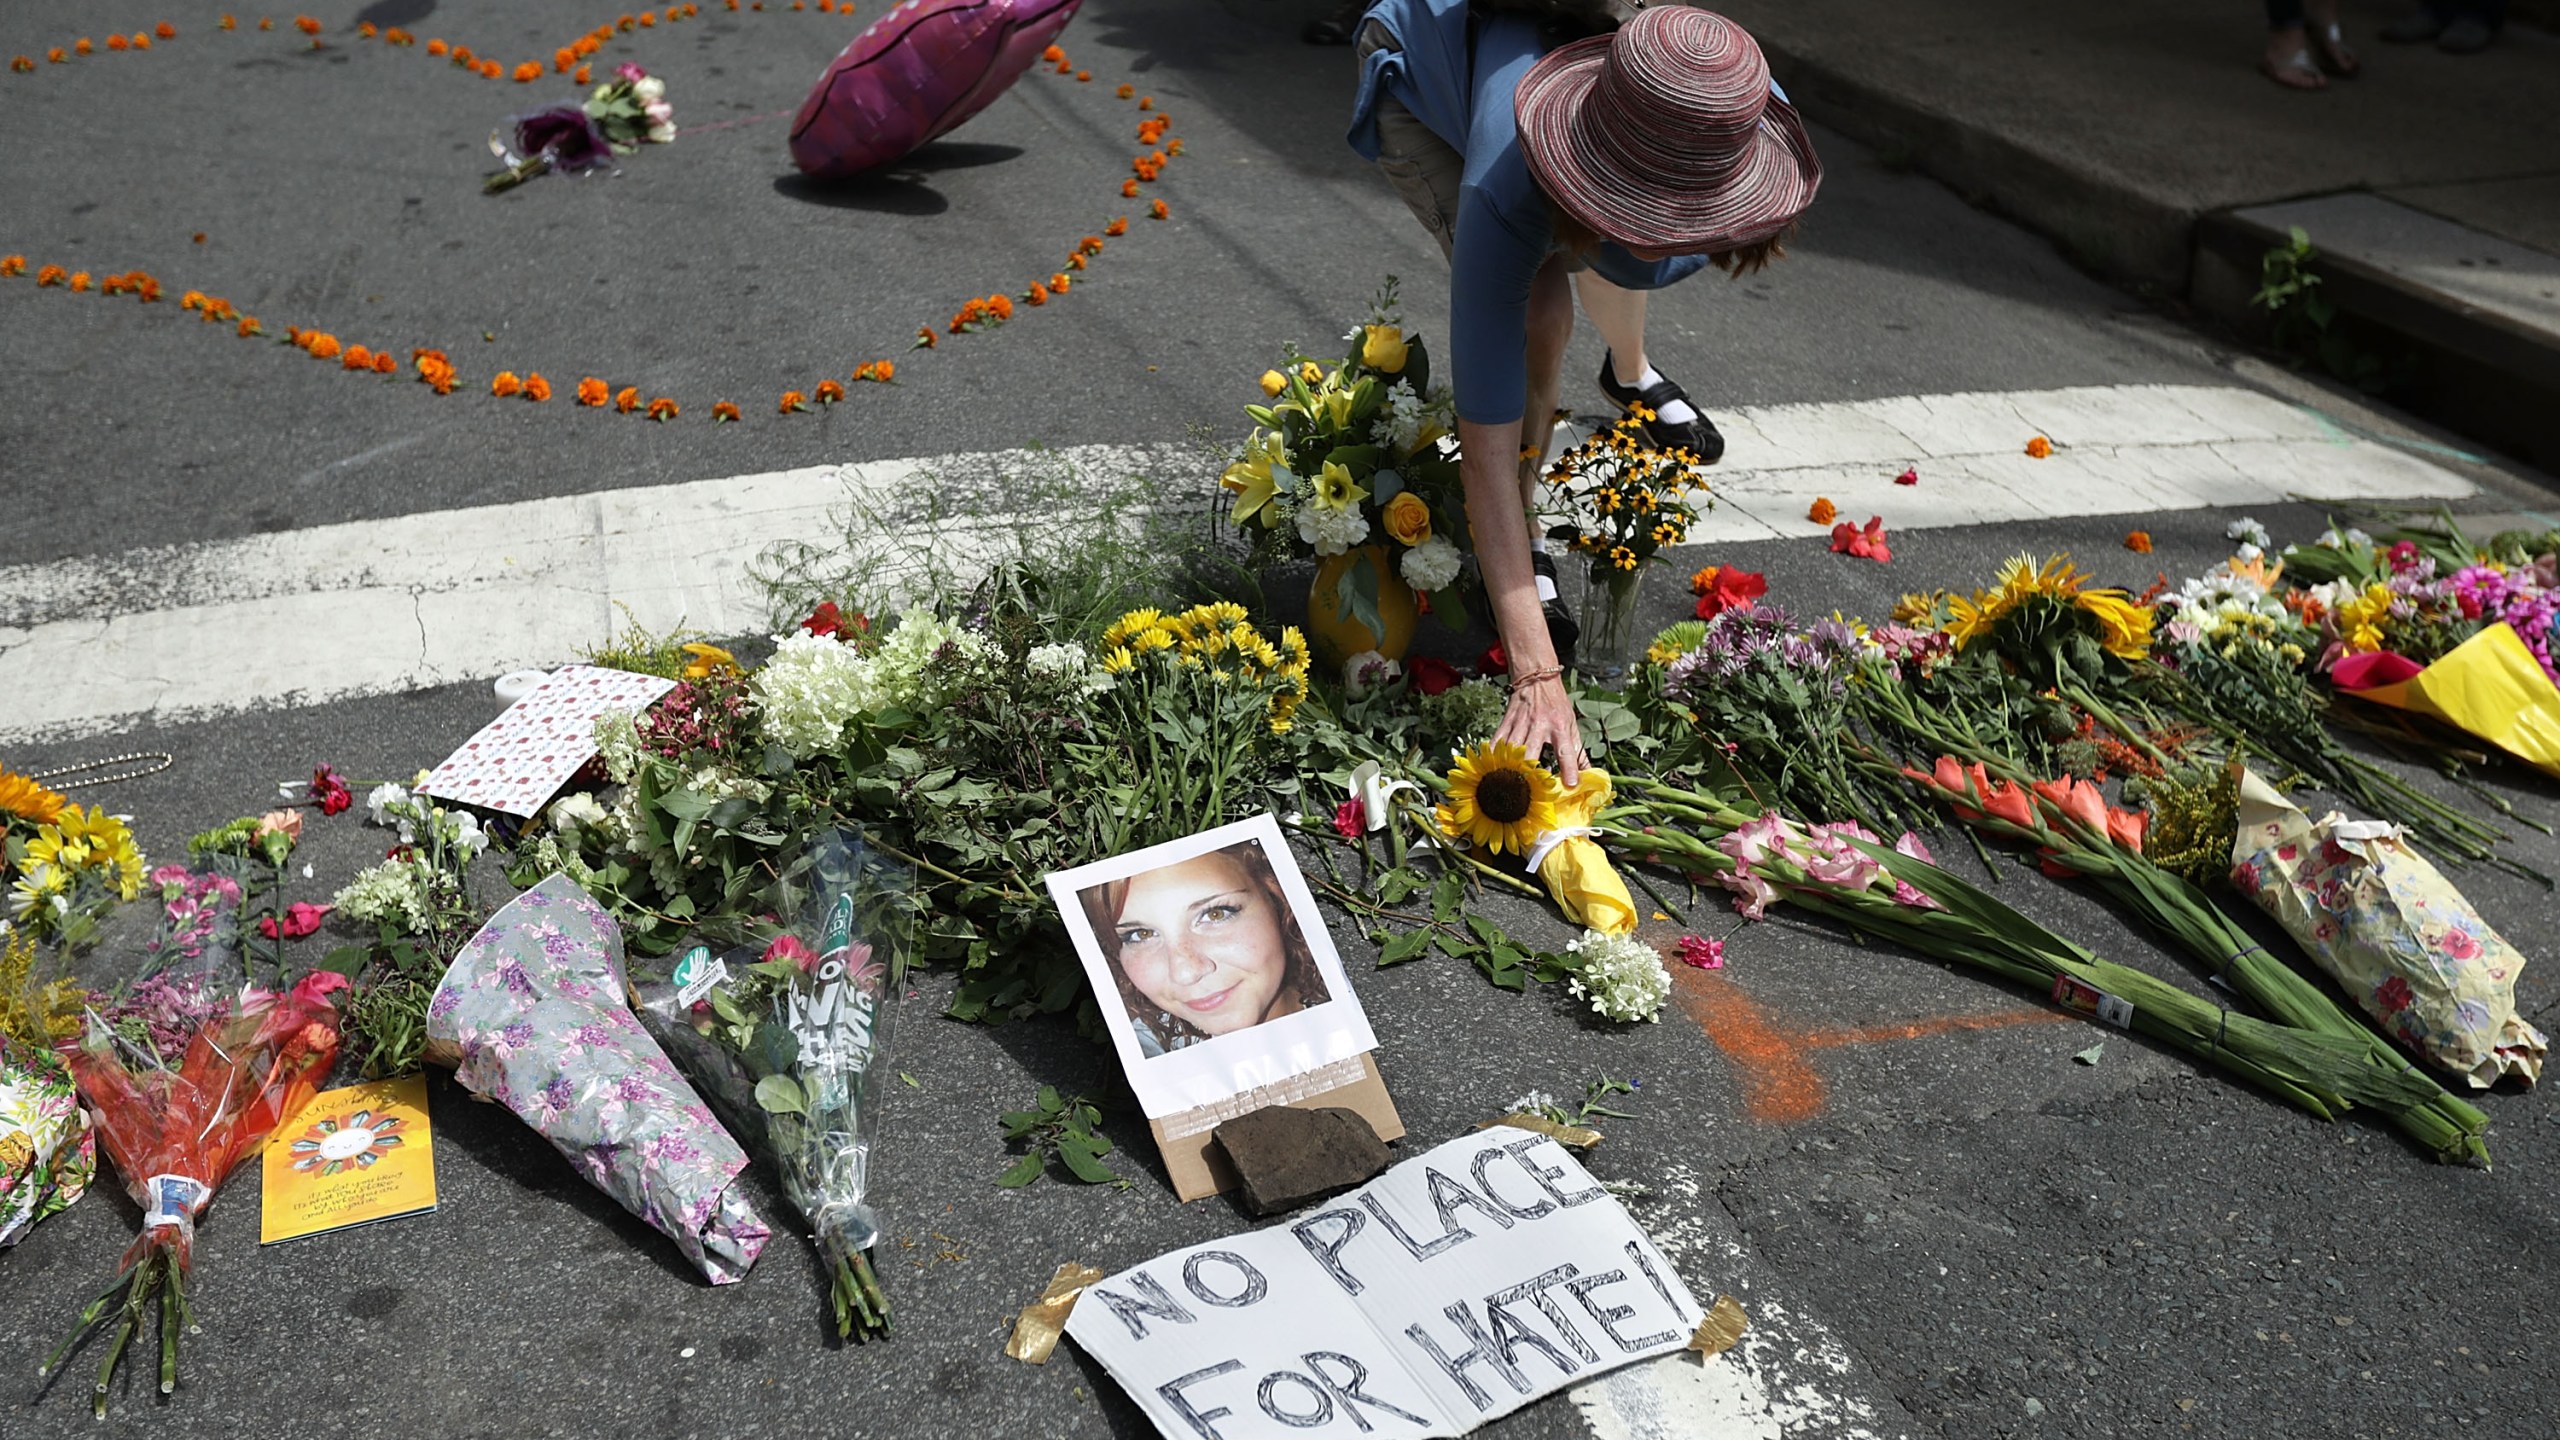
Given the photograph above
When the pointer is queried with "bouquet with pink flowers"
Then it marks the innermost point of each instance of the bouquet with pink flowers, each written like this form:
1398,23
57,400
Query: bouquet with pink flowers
624,113
785,1041
186,1073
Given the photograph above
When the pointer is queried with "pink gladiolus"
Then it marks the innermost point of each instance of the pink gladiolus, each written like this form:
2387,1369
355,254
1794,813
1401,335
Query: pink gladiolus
299,920
1752,895
1905,894
1757,840
1910,845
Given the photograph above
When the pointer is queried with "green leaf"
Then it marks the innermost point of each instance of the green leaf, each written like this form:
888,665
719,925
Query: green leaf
1050,1102
910,1079
1405,946
1447,896
726,1008
779,1096
1082,1161
1398,883
1021,1172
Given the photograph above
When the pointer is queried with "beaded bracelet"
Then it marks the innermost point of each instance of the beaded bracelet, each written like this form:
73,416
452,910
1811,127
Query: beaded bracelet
1532,677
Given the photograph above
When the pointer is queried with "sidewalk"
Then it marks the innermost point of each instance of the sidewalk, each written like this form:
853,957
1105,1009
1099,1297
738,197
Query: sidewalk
2118,133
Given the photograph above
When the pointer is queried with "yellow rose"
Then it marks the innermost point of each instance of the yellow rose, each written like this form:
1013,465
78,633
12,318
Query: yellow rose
1273,382
1407,518
1382,348
1311,372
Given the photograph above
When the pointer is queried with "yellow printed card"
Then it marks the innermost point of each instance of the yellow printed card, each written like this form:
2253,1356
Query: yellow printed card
353,1156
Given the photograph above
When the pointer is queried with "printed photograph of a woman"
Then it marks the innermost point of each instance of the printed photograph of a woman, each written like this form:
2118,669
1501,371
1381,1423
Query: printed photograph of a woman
1202,948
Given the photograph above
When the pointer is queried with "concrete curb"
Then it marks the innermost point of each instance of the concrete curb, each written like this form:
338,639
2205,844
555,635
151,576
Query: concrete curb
2102,223
2478,372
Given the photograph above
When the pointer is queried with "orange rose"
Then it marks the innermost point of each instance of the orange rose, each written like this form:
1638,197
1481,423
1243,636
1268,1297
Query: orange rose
1407,518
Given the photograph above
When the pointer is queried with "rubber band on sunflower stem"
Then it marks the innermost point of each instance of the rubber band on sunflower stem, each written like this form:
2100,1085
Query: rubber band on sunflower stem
137,757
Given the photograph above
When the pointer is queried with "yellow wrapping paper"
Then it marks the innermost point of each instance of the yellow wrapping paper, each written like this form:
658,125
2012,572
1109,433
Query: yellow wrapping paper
2391,930
1577,871
2492,687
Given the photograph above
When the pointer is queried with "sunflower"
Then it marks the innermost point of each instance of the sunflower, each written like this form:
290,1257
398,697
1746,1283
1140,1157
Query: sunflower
28,800
1499,799
2124,627
2020,581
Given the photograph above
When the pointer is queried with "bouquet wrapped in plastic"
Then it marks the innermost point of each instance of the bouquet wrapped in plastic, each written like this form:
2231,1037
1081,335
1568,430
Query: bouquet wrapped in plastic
47,1150
2391,930
787,1039
186,1073
532,1013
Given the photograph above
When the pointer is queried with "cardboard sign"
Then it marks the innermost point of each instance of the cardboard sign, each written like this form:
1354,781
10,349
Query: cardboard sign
1222,989
353,1156
1452,1290
519,760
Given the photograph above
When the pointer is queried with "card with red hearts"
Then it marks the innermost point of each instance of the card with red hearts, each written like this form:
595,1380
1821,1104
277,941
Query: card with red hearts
520,759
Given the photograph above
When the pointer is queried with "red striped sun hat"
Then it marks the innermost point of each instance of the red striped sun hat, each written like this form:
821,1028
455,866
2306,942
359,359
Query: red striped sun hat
1664,135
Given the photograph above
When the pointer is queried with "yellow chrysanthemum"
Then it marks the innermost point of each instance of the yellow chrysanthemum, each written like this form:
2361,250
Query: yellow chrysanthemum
35,899
28,800
89,839
1499,799
1119,662
1149,640
1225,612
1294,645
1130,626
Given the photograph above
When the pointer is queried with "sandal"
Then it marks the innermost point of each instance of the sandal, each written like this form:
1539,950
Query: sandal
1699,437
2295,72
1562,632
2329,48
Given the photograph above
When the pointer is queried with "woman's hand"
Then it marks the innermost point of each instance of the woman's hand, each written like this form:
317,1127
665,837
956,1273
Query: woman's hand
1541,714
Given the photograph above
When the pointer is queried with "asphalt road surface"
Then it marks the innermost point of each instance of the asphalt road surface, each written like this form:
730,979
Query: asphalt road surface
1938,1222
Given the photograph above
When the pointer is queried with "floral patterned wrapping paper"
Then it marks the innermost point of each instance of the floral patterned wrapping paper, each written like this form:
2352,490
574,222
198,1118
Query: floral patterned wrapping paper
2391,930
535,1007
48,1153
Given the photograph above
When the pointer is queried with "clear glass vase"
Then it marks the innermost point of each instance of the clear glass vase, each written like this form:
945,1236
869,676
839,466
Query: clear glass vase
1610,644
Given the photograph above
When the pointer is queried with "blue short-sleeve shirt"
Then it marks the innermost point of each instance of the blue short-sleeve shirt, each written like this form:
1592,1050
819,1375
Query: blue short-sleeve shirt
1462,88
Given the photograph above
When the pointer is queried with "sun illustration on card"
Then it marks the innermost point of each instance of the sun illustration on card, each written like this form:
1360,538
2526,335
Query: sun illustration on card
350,1142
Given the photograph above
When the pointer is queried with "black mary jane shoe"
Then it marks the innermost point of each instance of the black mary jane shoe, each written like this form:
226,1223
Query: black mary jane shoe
1562,631
1699,437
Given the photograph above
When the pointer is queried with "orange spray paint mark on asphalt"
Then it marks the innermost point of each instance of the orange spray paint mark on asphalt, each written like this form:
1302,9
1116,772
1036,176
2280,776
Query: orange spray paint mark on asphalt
1779,1084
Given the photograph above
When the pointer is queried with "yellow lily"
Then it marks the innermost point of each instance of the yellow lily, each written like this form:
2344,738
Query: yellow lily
1336,490
1250,478
1577,871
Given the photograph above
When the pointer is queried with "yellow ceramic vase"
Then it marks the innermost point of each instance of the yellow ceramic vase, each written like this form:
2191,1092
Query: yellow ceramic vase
1335,634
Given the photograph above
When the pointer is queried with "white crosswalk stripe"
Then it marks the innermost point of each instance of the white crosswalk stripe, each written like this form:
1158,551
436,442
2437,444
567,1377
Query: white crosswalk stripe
385,606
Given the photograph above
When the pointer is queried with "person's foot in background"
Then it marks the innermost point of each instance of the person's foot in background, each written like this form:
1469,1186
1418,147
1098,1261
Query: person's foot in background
1336,28
2454,29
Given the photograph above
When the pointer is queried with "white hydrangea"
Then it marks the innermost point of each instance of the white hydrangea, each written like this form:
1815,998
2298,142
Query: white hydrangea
811,688
1431,565
1620,975
903,663
618,745
1332,529
394,891
1067,657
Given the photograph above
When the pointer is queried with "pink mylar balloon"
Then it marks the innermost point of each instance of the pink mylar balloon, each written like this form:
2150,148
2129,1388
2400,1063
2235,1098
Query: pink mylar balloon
916,73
